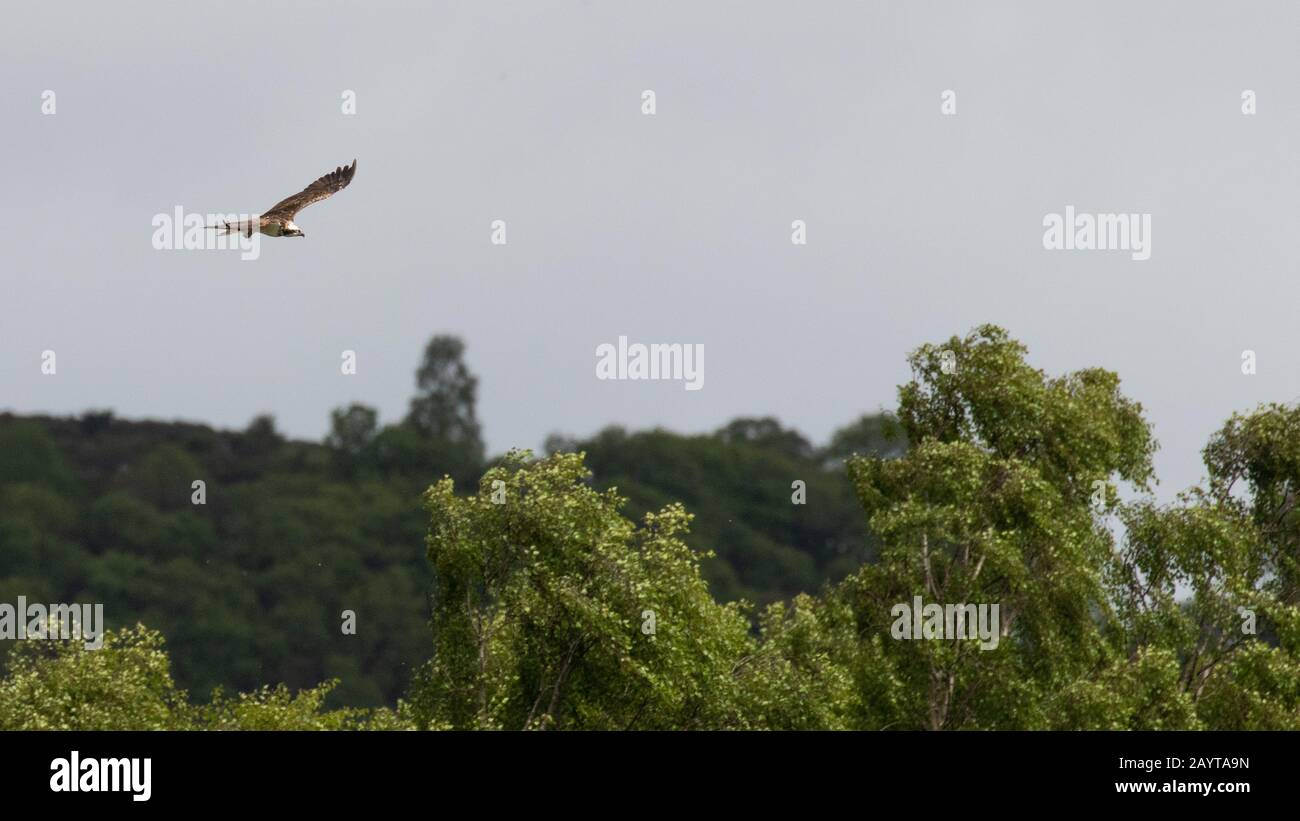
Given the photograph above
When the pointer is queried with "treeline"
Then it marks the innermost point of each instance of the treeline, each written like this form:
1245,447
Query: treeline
552,608
249,586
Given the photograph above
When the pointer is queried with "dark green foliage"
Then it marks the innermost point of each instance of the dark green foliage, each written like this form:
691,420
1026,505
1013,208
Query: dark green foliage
737,483
250,587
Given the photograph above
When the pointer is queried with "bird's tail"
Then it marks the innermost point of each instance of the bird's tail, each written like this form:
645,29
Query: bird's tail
245,227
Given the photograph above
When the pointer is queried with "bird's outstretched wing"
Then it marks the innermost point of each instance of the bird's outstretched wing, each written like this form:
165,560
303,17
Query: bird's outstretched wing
323,188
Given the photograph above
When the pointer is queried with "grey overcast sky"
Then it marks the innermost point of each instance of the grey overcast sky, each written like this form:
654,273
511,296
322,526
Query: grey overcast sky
666,228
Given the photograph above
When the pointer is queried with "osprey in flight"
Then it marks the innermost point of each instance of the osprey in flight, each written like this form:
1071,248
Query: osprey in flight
278,220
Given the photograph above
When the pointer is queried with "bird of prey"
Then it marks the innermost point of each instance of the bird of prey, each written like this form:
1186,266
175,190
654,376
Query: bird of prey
278,220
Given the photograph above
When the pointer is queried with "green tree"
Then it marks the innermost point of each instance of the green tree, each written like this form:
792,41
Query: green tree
870,434
740,489
443,409
352,435
164,477
60,685
127,685
552,610
767,433
1211,581
991,504
30,455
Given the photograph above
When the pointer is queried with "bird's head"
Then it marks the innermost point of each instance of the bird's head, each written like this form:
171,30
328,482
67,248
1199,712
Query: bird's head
291,230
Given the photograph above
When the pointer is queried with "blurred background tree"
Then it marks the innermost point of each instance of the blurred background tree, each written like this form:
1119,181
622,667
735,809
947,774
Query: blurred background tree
443,408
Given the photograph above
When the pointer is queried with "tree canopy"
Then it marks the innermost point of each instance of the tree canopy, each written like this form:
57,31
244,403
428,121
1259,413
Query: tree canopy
656,581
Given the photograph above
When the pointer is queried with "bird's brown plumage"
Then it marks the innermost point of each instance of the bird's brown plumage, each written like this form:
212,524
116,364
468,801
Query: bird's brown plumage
323,188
